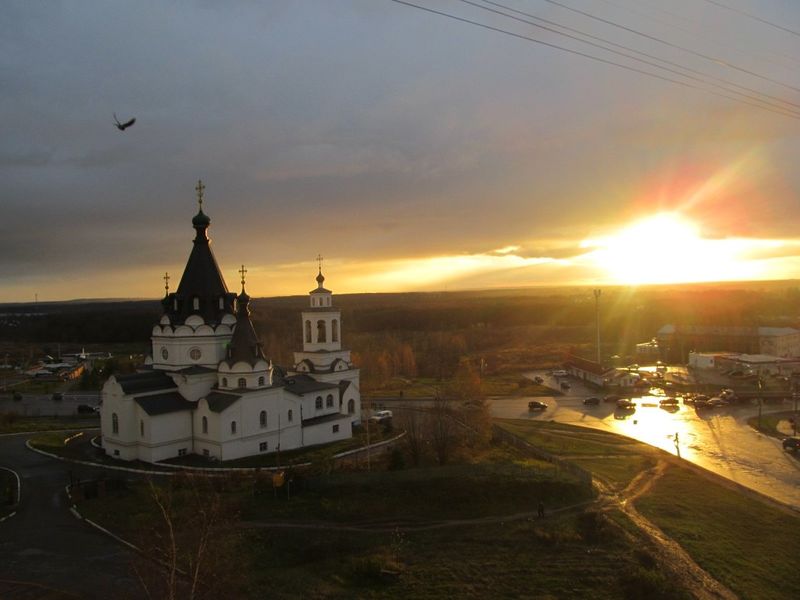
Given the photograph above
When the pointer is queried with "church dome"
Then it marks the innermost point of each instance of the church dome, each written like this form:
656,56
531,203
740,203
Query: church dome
201,220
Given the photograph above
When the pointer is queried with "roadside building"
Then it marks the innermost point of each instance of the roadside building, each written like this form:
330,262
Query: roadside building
677,341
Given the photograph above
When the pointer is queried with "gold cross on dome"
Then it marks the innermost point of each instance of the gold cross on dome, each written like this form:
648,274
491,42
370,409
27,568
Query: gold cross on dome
243,272
166,282
319,260
199,188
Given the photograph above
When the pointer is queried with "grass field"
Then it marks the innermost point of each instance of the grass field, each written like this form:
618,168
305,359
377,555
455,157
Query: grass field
526,557
16,424
745,543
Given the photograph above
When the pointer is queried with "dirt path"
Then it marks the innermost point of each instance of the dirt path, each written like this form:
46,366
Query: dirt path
668,552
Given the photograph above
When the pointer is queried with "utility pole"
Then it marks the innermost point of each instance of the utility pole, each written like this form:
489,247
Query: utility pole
597,293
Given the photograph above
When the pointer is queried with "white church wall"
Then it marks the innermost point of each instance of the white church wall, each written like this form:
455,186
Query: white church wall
330,431
194,387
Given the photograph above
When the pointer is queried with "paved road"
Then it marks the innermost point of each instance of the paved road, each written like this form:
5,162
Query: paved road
719,440
45,543
36,405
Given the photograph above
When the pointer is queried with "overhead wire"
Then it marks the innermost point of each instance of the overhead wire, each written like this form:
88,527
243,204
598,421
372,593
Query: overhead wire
639,52
752,16
783,112
714,59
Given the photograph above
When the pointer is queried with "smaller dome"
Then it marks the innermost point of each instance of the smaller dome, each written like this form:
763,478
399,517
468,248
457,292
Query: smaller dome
320,279
201,220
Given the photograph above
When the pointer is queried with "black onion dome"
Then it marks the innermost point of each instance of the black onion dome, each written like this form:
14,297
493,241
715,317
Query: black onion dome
201,220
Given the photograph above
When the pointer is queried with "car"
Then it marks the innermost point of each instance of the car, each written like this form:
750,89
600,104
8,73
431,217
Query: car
791,443
564,385
58,396
538,380
591,401
611,398
536,405
85,409
716,402
668,401
625,404
560,373
381,416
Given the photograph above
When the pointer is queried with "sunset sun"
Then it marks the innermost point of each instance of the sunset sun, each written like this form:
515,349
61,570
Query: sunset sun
667,248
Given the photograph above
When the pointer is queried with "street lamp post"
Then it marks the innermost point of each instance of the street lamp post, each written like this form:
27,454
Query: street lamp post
760,398
597,293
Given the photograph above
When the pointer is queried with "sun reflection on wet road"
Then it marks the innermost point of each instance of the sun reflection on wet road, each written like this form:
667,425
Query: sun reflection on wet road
718,439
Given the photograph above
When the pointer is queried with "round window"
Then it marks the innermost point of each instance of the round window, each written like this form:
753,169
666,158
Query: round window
164,353
195,353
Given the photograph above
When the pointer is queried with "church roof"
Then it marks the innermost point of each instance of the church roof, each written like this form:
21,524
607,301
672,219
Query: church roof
219,401
196,370
161,404
202,279
245,345
303,384
337,416
148,381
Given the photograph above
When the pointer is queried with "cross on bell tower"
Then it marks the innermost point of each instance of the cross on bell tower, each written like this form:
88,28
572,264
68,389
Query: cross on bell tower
319,262
166,283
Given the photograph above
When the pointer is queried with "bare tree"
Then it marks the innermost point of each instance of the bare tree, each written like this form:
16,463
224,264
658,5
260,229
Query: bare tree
443,429
413,421
191,542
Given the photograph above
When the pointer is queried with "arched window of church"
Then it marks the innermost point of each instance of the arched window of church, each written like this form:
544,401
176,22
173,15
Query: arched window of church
205,424
242,383
320,331
196,303
262,419
114,423
290,415
141,428
233,427
308,332
329,401
224,382
318,403
351,406
260,381
335,330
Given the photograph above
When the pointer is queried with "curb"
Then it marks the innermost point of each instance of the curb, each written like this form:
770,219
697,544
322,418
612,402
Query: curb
218,471
48,431
100,528
19,493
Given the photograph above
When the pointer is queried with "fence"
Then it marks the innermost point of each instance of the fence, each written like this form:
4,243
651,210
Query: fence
561,465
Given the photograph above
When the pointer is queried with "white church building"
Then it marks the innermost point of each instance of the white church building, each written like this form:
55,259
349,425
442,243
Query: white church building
208,389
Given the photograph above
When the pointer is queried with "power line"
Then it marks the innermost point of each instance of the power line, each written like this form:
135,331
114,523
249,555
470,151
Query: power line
713,59
629,49
754,17
685,84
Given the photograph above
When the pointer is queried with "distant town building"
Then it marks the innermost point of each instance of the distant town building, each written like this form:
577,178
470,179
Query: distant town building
595,373
209,389
744,365
648,350
676,341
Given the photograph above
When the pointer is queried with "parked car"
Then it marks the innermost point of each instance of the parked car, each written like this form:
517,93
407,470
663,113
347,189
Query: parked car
668,401
716,402
625,404
791,443
538,380
58,396
564,385
536,405
85,409
560,373
591,401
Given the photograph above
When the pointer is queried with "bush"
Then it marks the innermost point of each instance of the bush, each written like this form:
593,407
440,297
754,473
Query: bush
653,585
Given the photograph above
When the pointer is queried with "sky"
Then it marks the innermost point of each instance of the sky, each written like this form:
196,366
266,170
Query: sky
413,151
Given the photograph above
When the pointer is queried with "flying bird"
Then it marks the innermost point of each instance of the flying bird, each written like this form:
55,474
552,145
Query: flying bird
123,126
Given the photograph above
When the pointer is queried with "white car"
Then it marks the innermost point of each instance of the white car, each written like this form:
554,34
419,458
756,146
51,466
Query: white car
560,373
381,416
